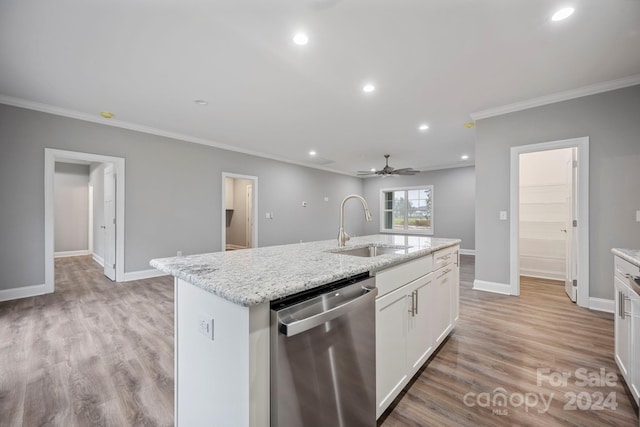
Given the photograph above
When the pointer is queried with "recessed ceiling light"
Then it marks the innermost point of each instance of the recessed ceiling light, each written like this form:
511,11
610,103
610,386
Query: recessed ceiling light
423,127
464,157
300,39
368,88
373,169
107,114
312,153
201,102
562,14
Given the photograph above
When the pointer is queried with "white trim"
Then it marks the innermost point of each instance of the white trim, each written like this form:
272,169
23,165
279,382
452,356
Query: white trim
143,274
582,145
223,233
558,97
97,258
71,253
602,304
468,252
52,155
495,287
24,292
78,115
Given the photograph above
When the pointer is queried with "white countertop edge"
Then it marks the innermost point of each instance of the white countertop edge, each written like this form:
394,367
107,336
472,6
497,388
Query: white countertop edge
631,255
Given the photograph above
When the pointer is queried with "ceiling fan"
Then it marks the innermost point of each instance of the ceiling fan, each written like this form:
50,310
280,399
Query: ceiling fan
389,171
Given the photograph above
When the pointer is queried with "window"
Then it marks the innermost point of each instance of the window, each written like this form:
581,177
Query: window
407,210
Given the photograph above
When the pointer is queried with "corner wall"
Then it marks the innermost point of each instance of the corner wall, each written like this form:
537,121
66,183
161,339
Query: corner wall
610,120
173,192
453,201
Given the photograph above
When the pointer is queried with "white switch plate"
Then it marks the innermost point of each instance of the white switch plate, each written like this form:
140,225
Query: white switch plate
205,326
637,216
326,199
503,215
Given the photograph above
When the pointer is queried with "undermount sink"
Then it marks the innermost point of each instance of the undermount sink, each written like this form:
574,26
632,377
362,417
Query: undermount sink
371,250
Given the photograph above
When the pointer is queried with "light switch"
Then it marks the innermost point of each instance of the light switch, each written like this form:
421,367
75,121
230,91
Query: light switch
637,216
326,199
205,326
503,215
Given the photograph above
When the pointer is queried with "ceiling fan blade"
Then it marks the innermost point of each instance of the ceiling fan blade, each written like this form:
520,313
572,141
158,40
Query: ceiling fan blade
366,173
406,171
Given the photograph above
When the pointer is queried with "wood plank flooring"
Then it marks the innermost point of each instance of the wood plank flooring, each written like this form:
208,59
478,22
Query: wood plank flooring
98,353
94,353
497,348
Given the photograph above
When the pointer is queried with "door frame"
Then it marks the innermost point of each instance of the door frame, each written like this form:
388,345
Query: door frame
582,145
223,213
51,156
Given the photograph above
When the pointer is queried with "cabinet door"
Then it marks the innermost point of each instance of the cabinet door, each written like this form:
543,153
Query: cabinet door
622,328
634,336
391,342
441,312
419,337
455,288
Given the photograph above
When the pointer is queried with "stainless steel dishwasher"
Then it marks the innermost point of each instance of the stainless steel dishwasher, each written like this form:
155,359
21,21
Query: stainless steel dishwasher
323,363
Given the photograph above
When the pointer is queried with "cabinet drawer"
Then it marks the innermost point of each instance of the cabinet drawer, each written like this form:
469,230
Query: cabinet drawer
394,277
444,257
623,267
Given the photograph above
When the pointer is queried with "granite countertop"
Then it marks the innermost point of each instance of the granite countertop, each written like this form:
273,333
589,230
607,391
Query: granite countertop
631,255
253,276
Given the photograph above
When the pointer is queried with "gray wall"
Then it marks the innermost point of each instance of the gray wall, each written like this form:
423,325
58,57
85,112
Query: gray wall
453,198
71,194
612,122
173,192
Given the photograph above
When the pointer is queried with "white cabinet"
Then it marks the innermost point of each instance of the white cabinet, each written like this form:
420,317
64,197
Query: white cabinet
391,347
229,187
627,325
622,328
412,311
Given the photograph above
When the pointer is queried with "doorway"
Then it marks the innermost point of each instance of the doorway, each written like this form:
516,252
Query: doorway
549,215
239,211
115,268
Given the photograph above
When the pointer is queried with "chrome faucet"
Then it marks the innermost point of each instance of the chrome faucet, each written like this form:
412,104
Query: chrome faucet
342,235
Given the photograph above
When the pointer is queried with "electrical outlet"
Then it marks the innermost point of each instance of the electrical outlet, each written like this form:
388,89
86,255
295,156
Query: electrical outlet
503,215
304,204
205,326
179,253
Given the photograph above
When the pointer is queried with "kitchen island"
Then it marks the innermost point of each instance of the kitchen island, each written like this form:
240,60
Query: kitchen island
222,314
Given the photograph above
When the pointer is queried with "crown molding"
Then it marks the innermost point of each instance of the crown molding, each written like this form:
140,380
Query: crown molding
78,115
558,97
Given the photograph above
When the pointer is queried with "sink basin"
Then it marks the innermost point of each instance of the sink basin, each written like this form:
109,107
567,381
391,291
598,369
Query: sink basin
371,251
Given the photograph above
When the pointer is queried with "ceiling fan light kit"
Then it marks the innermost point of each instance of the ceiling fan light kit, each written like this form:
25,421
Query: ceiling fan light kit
388,170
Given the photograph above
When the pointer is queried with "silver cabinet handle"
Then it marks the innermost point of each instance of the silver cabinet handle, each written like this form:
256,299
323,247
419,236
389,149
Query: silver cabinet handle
457,258
444,273
416,291
413,304
293,328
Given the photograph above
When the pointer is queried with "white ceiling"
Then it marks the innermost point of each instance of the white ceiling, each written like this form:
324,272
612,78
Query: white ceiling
434,61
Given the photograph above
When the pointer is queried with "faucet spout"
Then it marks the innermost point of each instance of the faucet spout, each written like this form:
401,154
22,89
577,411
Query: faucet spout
342,235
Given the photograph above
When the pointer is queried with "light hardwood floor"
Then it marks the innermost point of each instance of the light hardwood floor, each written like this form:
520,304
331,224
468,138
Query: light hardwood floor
98,353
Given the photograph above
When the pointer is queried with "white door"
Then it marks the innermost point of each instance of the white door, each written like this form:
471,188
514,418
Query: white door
110,222
570,228
249,217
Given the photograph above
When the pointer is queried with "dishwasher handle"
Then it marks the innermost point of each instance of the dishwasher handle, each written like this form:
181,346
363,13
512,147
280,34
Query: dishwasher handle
298,326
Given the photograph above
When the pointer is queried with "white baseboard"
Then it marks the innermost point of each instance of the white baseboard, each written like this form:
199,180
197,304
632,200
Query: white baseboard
602,304
97,258
143,274
17,293
498,288
71,253
536,274
468,252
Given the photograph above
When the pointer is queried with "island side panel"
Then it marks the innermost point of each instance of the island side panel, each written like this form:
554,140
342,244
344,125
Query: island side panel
224,381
